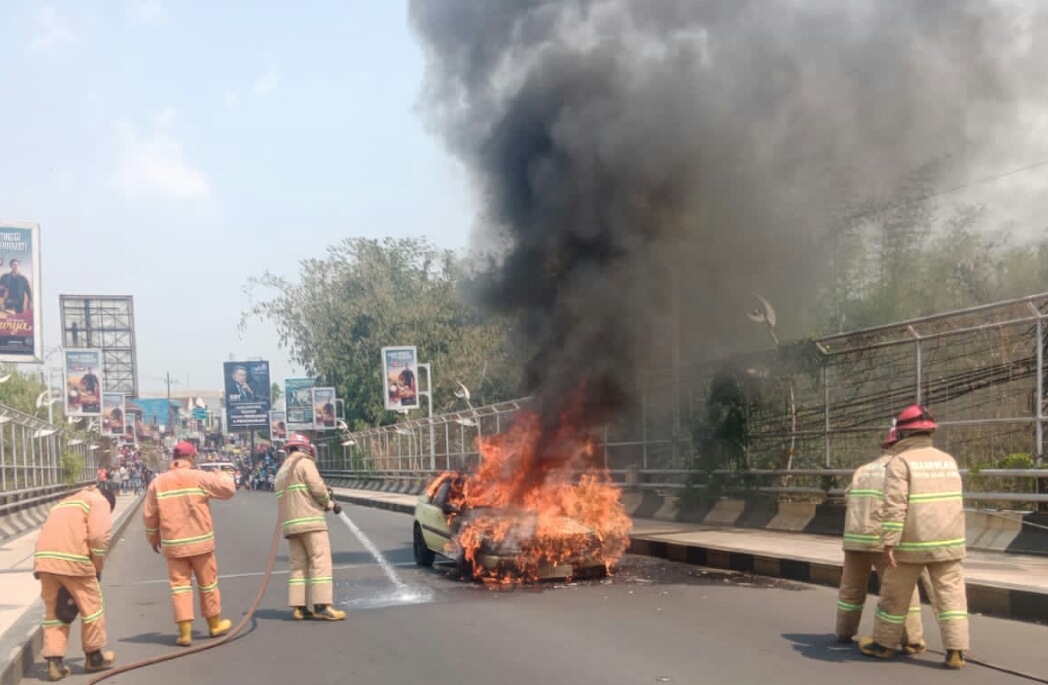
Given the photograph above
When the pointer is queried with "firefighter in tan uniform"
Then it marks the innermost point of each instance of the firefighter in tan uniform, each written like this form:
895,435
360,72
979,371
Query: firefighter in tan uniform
923,527
863,551
70,553
177,516
303,499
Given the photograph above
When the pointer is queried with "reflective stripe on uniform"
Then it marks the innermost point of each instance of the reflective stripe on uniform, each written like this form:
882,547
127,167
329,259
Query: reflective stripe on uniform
322,579
188,541
891,618
54,623
935,544
63,556
93,617
184,492
859,537
179,589
936,497
872,494
150,531
209,588
844,606
307,519
953,615
892,525
76,503
296,581
98,552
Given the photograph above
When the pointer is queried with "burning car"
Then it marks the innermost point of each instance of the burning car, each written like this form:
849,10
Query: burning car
494,543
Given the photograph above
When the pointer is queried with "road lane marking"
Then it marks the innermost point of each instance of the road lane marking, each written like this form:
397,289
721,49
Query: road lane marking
256,574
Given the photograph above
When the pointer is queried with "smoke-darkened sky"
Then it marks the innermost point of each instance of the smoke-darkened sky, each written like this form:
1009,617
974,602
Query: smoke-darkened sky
639,156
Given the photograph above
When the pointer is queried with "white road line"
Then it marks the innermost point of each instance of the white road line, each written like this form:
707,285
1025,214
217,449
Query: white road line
255,574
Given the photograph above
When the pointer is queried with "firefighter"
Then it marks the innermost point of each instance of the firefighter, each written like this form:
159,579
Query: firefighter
70,553
177,517
922,528
863,551
303,498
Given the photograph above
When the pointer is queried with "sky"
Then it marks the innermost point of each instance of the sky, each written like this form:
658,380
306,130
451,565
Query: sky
173,150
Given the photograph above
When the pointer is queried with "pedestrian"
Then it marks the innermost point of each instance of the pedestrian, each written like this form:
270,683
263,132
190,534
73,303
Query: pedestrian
303,498
70,553
863,552
922,527
177,516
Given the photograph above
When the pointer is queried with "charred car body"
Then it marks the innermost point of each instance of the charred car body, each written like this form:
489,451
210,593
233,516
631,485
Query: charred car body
490,543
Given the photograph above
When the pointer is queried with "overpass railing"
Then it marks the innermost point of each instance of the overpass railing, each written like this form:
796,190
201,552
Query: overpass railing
39,461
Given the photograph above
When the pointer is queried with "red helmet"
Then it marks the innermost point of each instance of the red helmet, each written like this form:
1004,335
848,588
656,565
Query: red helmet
893,437
299,441
915,418
184,450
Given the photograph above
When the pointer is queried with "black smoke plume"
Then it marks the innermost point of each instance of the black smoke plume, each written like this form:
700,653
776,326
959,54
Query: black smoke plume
653,164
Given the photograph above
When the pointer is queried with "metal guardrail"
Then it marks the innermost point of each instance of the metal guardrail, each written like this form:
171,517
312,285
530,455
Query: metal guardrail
17,500
636,478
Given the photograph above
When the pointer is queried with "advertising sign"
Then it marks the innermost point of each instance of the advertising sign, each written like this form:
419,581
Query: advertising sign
83,385
323,408
20,328
247,394
130,436
298,401
277,426
113,411
399,366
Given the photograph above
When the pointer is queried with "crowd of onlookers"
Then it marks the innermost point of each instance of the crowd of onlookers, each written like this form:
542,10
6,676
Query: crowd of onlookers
128,474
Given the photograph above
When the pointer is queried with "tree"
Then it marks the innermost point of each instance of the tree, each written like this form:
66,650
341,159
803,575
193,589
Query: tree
367,294
275,392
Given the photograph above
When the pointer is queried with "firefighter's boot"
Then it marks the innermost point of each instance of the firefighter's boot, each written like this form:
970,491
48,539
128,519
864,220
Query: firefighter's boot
57,669
217,625
869,647
99,660
301,613
914,648
185,634
954,658
325,612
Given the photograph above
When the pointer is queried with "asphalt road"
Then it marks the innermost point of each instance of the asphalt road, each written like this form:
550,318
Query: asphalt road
653,622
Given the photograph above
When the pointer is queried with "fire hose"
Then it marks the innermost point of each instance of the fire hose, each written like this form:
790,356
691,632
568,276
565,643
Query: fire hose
211,644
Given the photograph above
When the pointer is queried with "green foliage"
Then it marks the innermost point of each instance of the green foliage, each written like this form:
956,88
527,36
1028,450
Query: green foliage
367,294
20,392
276,392
72,466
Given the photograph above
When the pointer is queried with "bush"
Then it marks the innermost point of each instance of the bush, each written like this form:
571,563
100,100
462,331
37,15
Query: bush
72,466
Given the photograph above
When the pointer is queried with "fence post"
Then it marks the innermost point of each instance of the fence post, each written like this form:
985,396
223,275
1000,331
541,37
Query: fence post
920,371
826,410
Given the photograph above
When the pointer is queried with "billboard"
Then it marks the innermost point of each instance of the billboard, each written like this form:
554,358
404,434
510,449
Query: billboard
247,394
113,412
277,426
83,396
298,401
130,436
323,408
107,323
20,327
399,368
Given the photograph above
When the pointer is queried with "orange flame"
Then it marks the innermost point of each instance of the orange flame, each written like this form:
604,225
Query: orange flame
539,499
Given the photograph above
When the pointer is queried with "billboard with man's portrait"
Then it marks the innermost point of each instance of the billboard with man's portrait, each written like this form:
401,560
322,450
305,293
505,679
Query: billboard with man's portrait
399,369
298,401
277,426
130,432
247,394
113,412
323,408
20,328
83,371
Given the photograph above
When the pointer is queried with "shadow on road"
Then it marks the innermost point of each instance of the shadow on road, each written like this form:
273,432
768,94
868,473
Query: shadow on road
824,647
163,639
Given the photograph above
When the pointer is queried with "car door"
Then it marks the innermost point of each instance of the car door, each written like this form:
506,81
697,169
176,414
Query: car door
434,523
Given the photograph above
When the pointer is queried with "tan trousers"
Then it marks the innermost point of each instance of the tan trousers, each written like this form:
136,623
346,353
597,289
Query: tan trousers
87,594
310,557
946,579
855,579
180,572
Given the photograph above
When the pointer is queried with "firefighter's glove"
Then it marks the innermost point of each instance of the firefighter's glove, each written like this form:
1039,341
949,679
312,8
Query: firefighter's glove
336,508
156,547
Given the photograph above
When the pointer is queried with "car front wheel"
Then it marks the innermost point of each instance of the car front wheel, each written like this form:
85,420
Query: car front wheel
423,554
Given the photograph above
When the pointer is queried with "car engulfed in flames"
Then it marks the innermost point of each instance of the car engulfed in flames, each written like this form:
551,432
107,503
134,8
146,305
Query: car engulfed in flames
517,518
